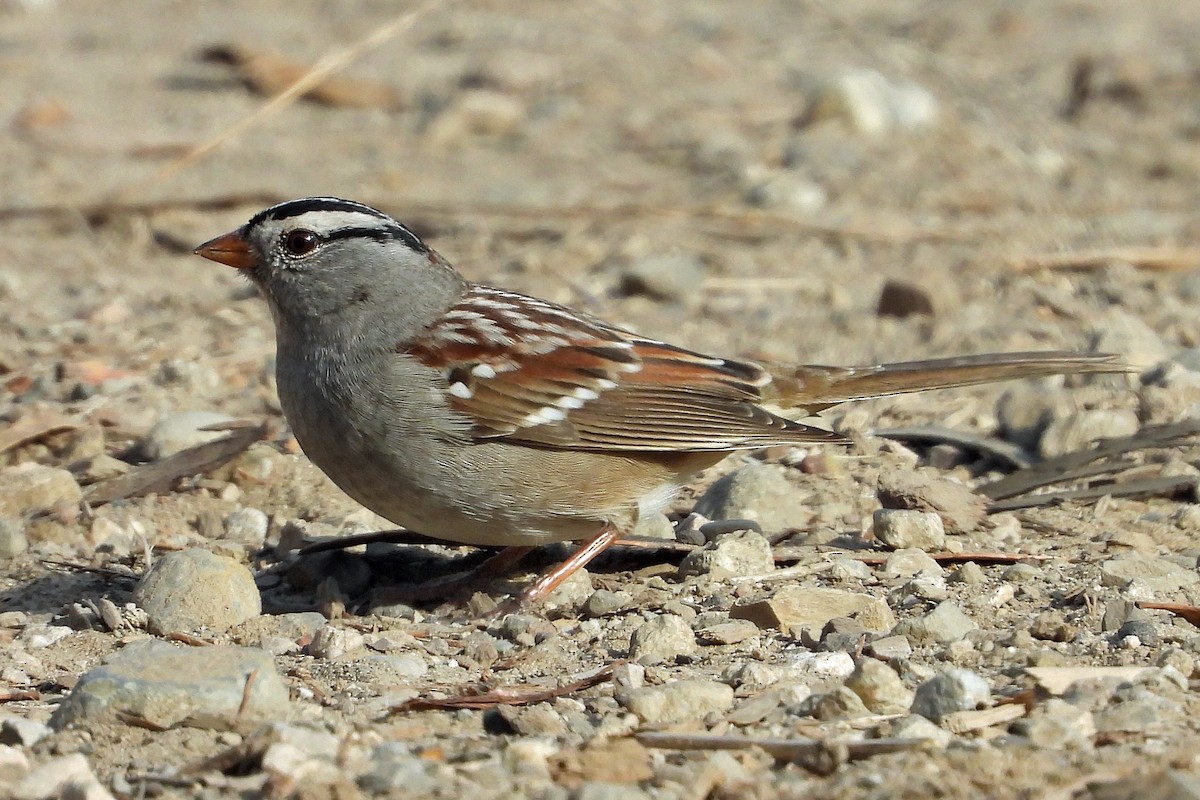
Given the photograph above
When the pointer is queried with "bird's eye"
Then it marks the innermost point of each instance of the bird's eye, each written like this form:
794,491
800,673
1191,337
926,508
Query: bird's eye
300,242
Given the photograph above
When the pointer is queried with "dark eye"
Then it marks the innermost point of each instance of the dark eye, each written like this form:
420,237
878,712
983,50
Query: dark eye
300,242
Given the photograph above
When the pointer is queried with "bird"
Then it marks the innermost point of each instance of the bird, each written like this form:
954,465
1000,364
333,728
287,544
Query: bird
480,416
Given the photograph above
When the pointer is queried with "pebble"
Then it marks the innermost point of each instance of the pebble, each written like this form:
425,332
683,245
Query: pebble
194,589
826,666
732,555
1118,331
808,607
247,525
166,685
22,731
1081,429
841,703
1057,724
969,573
951,691
67,777
909,562
30,488
732,632
902,529
661,639
332,642
476,112
39,635
881,689
677,701
394,767
654,526
889,647
960,509
872,104
667,276
1020,573
759,492
13,541
787,190
603,602
181,431
945,623
914,726
1156,575
14,765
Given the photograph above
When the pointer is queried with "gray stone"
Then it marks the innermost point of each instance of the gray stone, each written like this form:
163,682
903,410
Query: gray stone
603,602
951,691
1020,573
759,492
1057,724
195,589
809,607
166,685
247,525
661,639
732,632
332,642
12,538
654,526
731,555
969,573
960,509
30,488
945,623
394,767
914,726
910,561
889,647
669,276
14,765
178,432
902,529
1156,575
841,703
678,701
881,689
1081,429
1118,331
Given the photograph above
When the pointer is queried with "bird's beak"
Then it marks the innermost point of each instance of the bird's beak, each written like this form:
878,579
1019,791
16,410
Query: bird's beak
231,249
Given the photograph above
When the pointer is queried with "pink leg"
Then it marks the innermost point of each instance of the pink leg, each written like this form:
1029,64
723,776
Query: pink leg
553,578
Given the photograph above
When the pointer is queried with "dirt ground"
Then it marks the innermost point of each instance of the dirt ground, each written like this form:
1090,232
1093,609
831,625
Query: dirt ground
558,149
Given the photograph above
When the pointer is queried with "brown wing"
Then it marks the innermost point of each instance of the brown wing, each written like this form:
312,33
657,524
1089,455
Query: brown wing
534,372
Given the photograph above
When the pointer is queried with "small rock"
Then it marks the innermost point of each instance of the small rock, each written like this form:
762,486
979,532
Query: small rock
960,509
903,299
787,191
1118,331
759,492
247,525
1081,429
841,703
807,607
30,488
969,573
603,602
1020,573
394,767
901,529
661,639
914,726
194,589
670,276
678,701
12,538
67,777
178,432
872,104
96,468
826,666
889,647
40,634
1118,612
331,642
1157,575
537,720
909,562
166,685
13,765
732,555
951,691
476,112
654,526
1145,631
21,731
1057,724
881,689
733,632
1025,409
945,623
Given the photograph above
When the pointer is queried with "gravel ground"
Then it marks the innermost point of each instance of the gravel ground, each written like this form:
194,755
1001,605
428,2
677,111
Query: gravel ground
841,183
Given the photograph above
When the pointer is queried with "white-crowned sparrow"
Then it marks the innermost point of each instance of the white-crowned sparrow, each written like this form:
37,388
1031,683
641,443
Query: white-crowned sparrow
481,416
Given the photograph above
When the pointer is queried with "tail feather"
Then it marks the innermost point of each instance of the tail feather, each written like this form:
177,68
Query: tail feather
815,387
